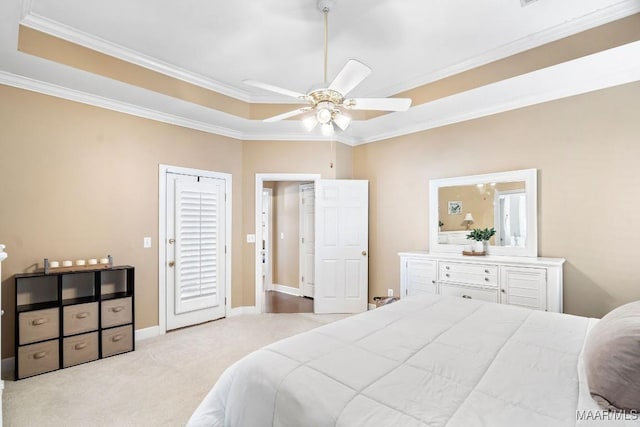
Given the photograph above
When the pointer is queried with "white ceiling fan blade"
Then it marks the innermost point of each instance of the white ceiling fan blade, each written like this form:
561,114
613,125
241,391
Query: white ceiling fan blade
287,115
378,104
276,89
351,75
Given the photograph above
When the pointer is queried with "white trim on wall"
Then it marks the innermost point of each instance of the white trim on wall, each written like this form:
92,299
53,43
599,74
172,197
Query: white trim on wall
289,290
260,179
241,311
162,237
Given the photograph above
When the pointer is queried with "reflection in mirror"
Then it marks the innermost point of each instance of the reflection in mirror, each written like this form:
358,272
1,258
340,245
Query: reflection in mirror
506,201
500,205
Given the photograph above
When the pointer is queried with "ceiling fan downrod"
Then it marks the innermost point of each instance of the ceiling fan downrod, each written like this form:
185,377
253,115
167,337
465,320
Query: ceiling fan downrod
325,7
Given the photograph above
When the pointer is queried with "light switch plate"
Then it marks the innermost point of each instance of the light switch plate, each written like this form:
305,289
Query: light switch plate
146,243
251,238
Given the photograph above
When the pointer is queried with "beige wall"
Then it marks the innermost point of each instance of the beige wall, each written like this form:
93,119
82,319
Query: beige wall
586,150
80,182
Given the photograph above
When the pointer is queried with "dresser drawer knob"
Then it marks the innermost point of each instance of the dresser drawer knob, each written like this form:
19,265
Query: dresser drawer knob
504,291
467,296
486,279
486,271
433,281
82,315
448,268
80,346
117,309
447,275
38,322
39,355
116,338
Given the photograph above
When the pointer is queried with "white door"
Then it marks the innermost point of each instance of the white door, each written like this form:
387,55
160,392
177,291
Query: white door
195,250
342,245
307,241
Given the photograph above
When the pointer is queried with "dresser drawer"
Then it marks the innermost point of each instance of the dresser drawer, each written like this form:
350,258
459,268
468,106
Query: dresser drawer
477,274
116,312
38,358
79,318
39,325
490,295
117,340
79,349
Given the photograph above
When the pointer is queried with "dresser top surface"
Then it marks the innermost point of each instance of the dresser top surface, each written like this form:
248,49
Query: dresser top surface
495,259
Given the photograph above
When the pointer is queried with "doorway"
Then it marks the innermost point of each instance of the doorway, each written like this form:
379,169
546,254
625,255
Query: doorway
341,220
287,246
265,181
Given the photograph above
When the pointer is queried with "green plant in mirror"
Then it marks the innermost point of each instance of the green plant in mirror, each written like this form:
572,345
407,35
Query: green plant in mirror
481,234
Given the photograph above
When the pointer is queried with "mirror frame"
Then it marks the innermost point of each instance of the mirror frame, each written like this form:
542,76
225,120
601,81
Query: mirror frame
529,176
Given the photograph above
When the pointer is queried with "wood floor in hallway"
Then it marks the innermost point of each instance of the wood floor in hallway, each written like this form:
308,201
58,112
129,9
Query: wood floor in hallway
278,302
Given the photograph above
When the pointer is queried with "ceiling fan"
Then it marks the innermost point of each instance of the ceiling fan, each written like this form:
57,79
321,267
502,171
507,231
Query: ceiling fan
327,102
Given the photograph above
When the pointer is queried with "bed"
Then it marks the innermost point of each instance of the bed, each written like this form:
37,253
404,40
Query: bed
423,361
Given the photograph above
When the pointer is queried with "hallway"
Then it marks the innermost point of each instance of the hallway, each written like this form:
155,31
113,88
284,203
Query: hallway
278,302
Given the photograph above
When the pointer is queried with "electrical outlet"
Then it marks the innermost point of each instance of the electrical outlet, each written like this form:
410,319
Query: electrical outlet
389,292
146,242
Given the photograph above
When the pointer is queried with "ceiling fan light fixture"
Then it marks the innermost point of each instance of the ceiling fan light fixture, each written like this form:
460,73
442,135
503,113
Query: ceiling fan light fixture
310,123
341,120
325,112
327,129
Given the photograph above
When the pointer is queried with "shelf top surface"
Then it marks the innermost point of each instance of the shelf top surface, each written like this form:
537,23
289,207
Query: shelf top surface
54,273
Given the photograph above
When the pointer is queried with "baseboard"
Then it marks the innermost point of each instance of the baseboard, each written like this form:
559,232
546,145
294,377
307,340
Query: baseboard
287,290
238,311
372,306
146,333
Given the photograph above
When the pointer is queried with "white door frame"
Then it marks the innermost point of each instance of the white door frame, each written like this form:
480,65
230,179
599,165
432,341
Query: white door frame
268,275
301,221
260,179
162,235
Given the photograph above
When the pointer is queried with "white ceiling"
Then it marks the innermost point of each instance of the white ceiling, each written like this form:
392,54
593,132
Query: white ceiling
217,44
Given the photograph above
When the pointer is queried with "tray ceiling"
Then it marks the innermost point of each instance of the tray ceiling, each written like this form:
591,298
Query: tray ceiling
215,45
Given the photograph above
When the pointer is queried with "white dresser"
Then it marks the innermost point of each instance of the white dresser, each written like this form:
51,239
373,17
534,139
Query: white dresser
523,281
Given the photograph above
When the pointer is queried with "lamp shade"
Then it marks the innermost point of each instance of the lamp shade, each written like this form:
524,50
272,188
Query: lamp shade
468,217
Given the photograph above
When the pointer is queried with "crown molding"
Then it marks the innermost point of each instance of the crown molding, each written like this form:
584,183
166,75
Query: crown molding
81,38
613,67
609,68
620,10
70,34
260,134
46,88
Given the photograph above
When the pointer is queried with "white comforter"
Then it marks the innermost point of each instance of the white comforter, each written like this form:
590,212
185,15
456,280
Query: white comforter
423,361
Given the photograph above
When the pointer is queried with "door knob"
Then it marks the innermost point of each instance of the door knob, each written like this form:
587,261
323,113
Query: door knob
364,253
172,263
172,241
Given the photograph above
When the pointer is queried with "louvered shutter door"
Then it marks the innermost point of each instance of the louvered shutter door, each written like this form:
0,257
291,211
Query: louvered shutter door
199,255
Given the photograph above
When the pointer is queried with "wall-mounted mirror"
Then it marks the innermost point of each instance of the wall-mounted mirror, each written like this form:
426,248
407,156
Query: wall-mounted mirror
506,201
